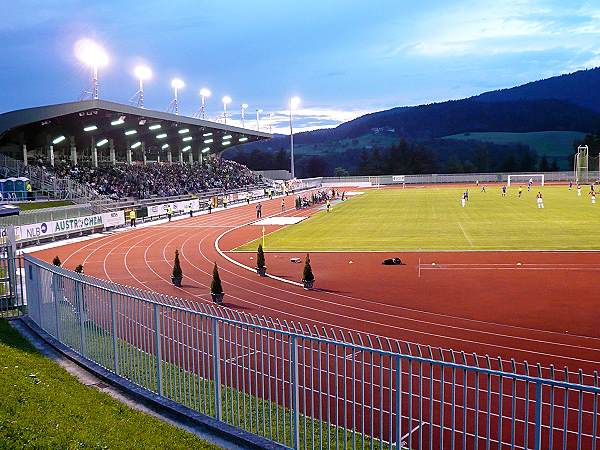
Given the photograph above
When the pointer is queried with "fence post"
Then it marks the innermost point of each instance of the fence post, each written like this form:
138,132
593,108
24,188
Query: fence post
158,352
295,394
114,334
55,294
79,296
399,404
537,440
217,369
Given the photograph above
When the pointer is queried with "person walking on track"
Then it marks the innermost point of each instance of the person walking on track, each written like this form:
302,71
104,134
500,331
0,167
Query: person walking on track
258,210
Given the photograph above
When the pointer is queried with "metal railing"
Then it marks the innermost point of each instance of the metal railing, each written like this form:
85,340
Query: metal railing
305,387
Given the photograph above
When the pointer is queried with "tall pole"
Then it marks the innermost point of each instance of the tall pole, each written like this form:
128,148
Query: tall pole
95,82
225,112
202,109
292,143
270,123
258,120
141,97
243,121
175,102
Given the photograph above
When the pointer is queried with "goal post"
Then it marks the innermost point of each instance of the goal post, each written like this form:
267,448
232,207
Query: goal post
526,177
581,164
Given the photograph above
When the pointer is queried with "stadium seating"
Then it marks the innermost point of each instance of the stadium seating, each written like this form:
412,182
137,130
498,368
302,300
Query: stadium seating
159,179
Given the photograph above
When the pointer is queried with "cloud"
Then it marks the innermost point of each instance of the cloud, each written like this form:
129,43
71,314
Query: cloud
510,26
305,119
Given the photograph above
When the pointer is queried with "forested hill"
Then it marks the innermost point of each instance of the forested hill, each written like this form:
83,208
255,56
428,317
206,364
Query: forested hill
581,88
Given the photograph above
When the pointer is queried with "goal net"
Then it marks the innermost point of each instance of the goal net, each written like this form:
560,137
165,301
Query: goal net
581,164
525,178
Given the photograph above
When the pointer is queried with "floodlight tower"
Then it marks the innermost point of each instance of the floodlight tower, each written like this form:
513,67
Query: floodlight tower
91,54
244,107
142,73
226,101
258,111
204,93
176,84
270,123
294,102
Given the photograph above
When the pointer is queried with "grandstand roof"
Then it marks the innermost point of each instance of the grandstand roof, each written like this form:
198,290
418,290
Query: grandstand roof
38,126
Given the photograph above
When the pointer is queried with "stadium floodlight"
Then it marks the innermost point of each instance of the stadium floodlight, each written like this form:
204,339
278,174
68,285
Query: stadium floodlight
270,123
136,144
58,140
130,132
161,136
294,102
226,101
184,130
176,84
204,93
226,142
186,148
206,149
258,113
101,142
226,137
142,73
93,55
156,126
187,139
208,141
165,146
244,107
119,121
243,139
90,128
207,134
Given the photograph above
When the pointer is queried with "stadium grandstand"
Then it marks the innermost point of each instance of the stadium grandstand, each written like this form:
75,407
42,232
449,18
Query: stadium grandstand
102,149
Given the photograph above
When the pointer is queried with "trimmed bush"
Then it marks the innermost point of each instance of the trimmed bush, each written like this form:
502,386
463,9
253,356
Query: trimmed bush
307,275
216,286
56,261
260,257
177,272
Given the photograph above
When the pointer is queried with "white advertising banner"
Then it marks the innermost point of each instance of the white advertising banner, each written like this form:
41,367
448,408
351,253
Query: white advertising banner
64,226
398,178
178,207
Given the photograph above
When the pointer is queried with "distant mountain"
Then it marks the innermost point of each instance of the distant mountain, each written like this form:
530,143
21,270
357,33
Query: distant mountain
569,103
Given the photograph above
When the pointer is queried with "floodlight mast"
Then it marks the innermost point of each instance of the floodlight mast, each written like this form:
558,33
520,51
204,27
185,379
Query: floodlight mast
142,73
203,94
258,111
244,106
176,84
226,100
294,102
91,54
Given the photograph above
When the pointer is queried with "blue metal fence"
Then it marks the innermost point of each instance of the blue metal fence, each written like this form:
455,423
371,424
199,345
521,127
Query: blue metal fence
305,387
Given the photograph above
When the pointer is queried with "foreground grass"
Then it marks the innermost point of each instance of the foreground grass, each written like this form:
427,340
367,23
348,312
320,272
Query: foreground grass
433,219
28,206
42,406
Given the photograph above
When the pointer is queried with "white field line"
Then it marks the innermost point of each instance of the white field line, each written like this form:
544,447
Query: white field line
465,234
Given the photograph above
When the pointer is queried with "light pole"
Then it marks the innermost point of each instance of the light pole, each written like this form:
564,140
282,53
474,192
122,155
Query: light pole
176,84
203,94
226,101
244,107
258,111
270,123
294,102
142,73
91,54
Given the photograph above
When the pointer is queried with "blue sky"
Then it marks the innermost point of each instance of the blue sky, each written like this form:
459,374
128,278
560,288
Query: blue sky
343,58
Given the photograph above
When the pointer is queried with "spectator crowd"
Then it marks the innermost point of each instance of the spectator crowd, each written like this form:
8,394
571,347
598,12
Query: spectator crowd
160,179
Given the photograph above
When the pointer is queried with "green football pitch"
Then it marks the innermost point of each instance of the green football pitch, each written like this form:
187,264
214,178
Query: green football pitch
433,219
